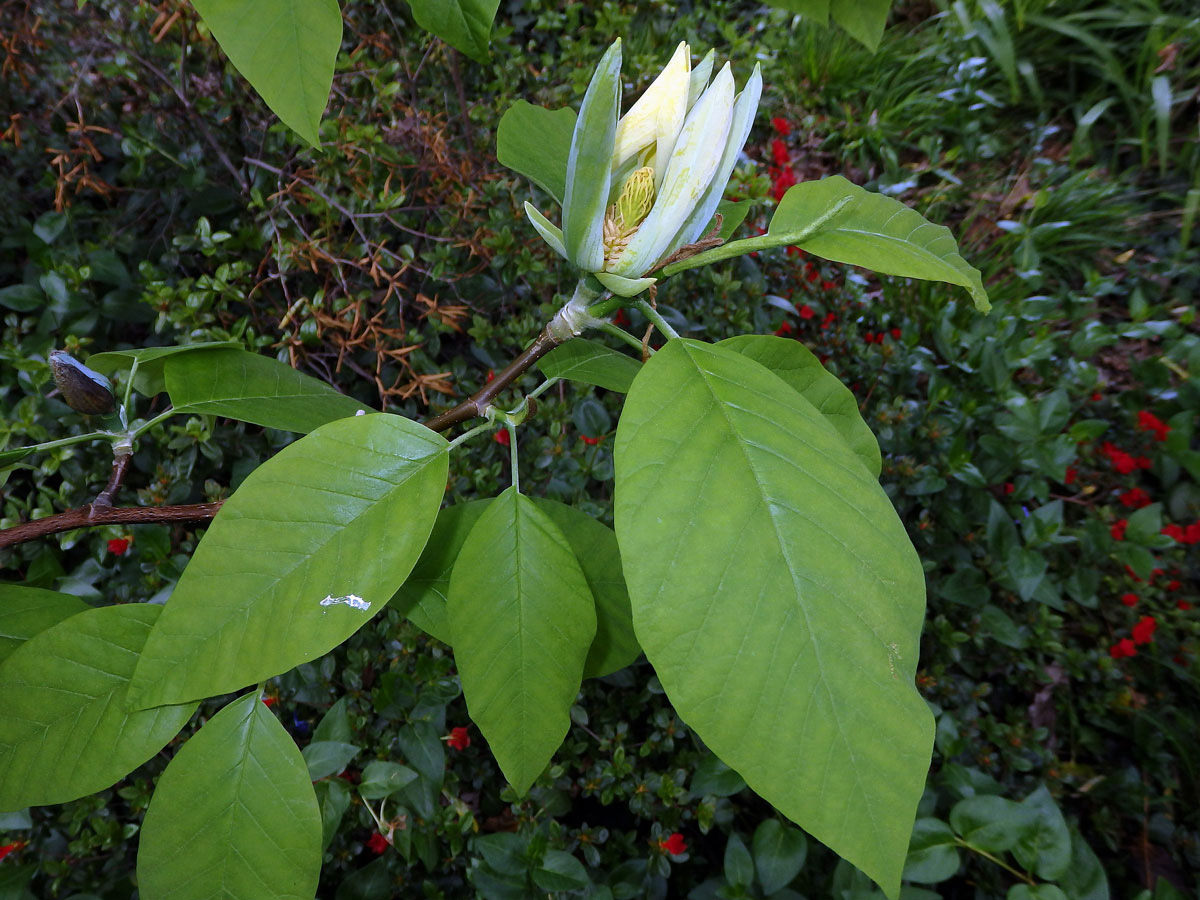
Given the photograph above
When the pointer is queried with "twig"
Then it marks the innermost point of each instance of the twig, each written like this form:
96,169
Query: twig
120,464
92,516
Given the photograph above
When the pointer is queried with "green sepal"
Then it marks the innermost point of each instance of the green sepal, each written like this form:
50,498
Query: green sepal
622,286
550,232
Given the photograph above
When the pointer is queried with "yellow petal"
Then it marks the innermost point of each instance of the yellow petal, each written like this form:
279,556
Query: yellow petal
659,113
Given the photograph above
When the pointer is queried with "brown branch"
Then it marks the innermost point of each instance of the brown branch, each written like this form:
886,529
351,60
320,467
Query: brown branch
92,516
120,464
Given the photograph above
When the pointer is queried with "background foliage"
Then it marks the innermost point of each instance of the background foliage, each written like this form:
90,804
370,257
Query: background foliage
1042,458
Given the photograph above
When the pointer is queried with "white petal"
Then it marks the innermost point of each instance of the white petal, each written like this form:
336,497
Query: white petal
700,76
638,128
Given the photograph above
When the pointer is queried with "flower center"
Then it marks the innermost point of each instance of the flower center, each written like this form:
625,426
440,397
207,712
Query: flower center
624,216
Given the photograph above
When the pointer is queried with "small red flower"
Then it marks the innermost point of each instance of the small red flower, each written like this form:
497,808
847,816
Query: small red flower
1147,421
1118,529
12,848
673,844
1009,487
779,152
1097,397
1173,586
814,274
806,311
458,738
270,701
784,329
590,441
1173,531
1191,534
1143,631
896,333
1182,605
827,285
868,338
1129,599
119,546
1123,647
781,126
377,843
502,438
620,318
491,375
781,180
1122,462
1135,498
1070,477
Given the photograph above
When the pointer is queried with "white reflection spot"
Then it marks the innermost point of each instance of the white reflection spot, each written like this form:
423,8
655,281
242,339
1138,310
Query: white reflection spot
351,600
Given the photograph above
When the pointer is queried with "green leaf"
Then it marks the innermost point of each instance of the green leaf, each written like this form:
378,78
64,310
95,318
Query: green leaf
151,361
311,545
64,730
1038,892
777,596
1144,524
595,547
1044,849
325,758
8,457
992,823
864,20
22,297
560,871
372,882
536,142
875,232
285,49
1084,878
26,611
932,854
234,815
817,10
465,25
422,597
591,363
796,364
738,866
713,778
252,388
779,854
333,798
733,214
335,724
523,620
382,778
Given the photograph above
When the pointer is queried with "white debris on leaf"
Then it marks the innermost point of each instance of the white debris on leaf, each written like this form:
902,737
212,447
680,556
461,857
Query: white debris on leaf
351,600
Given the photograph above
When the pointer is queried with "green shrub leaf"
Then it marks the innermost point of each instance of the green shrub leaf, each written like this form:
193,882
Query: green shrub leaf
1045,849
992,823
64,729
591,363
253,388
26,611
523,620
234,815
796,364
151,361
325,758
536,142
777,596
932,854
779,854
465,25
382,778
311,545
285,49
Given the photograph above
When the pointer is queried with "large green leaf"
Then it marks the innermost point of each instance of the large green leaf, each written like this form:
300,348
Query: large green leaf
150,360
422,597
313,543
591,363
64,729
465,25
253,388
536,142
285,49
26,611
595,546
234,815
796,364
523,619
864,20
777,596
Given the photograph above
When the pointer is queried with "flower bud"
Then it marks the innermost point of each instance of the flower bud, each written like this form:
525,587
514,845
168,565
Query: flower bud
82,389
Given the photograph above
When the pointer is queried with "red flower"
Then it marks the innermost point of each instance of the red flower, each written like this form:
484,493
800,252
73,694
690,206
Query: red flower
119,546
1123,647
1122,462
1118,529
1173,531
1183,605
502,438
779,152
1097,397
781,180
868,338
1070,477
1135,498
1143,631
1173,586
1191,534
781,126
377,843
620,318
1009,487
270,701
590,441
491,375
13,848
1129,599
1147,421
814,274
673,844
827,285
896,333
785,328
806,311
458,738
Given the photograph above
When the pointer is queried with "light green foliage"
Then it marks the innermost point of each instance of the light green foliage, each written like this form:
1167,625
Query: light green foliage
523,619
26,611
150,379
777,596
319,537
64,728
285,49
864,20
465,25
234,815
253,388
591,362
536,142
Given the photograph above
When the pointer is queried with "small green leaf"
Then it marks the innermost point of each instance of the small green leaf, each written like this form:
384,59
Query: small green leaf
816,10
335,724
864,20
313,543
325,758
590,362
22,297
796,364
536,142
739,867
26,611
252,388
1085,878
465,25
779,854
1045,849
1038,892
523,619
733,214
334,799
992,823
64,730
932,854
285,49
151,361
234,815
713,778
422,597
595,546
382,778
560,871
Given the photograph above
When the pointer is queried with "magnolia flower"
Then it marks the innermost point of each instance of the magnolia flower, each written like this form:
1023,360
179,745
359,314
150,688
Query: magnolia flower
642,185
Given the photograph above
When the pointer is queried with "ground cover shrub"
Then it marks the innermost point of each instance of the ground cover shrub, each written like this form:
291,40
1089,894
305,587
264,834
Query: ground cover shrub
1027,585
